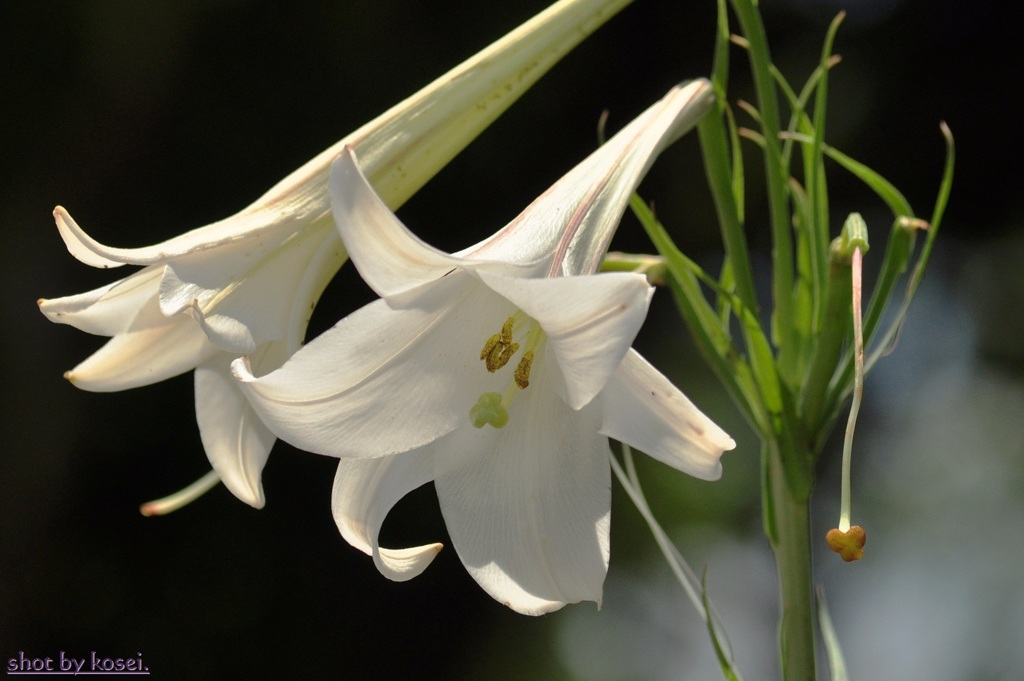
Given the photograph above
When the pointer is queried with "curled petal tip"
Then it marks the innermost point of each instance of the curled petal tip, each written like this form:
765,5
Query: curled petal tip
80,244
250,494
241,368
400,565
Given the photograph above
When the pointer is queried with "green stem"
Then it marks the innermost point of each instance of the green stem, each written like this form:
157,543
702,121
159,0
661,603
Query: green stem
789,528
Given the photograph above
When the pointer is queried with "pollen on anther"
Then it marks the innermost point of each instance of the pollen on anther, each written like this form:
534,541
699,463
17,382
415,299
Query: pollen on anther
506,331
493,359
491,343
506,354
523,370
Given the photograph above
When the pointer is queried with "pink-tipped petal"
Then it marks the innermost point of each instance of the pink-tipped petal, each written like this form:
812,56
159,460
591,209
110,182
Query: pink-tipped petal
643,409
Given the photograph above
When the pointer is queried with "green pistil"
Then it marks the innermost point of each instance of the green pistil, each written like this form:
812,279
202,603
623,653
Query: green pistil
488,409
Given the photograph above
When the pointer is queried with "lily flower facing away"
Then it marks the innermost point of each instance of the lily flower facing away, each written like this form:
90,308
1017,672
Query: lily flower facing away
499,373
248,284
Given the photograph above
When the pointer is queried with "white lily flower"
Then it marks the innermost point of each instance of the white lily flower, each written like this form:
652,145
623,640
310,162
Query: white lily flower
248,284
499,373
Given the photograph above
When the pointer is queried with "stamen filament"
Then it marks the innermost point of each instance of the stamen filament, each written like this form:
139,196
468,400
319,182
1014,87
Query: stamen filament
858,390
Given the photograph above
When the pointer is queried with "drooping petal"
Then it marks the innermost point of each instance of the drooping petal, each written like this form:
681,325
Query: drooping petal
365,490
527,506
108,310
384,381
237,443
392,260
153,349
257,220
590,323
596,192
643,409
389,257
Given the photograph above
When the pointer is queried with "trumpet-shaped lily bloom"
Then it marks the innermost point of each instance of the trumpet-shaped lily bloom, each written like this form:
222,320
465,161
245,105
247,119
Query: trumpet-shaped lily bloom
247,284
499,373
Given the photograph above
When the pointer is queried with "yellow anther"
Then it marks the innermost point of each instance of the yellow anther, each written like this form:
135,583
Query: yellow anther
500,347
506,354
493,359
506,331
491,343
523,370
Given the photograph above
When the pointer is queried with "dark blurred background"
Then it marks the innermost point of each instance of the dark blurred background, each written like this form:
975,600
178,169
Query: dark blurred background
145,119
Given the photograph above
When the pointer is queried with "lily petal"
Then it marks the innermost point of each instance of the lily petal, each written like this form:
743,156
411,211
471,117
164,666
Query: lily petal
365,490
643,409
596,192
153,349
349,392
590,322
528,507
236,441
259,218
390,258
251,301
108,310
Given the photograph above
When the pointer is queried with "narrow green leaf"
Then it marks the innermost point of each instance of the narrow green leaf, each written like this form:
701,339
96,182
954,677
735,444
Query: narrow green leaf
817,191
836,661
738,176
714,148
782,248
729,673
723,302
805,319
720,66
885,190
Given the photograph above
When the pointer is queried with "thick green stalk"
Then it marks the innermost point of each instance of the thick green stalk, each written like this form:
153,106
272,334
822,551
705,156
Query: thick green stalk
788,525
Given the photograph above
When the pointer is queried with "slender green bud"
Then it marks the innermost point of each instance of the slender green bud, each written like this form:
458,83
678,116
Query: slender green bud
853,236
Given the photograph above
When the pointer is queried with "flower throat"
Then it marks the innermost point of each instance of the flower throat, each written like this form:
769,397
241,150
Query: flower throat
491,407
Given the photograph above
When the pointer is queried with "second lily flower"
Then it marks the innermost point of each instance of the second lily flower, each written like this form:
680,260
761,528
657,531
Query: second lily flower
247,284
499,373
